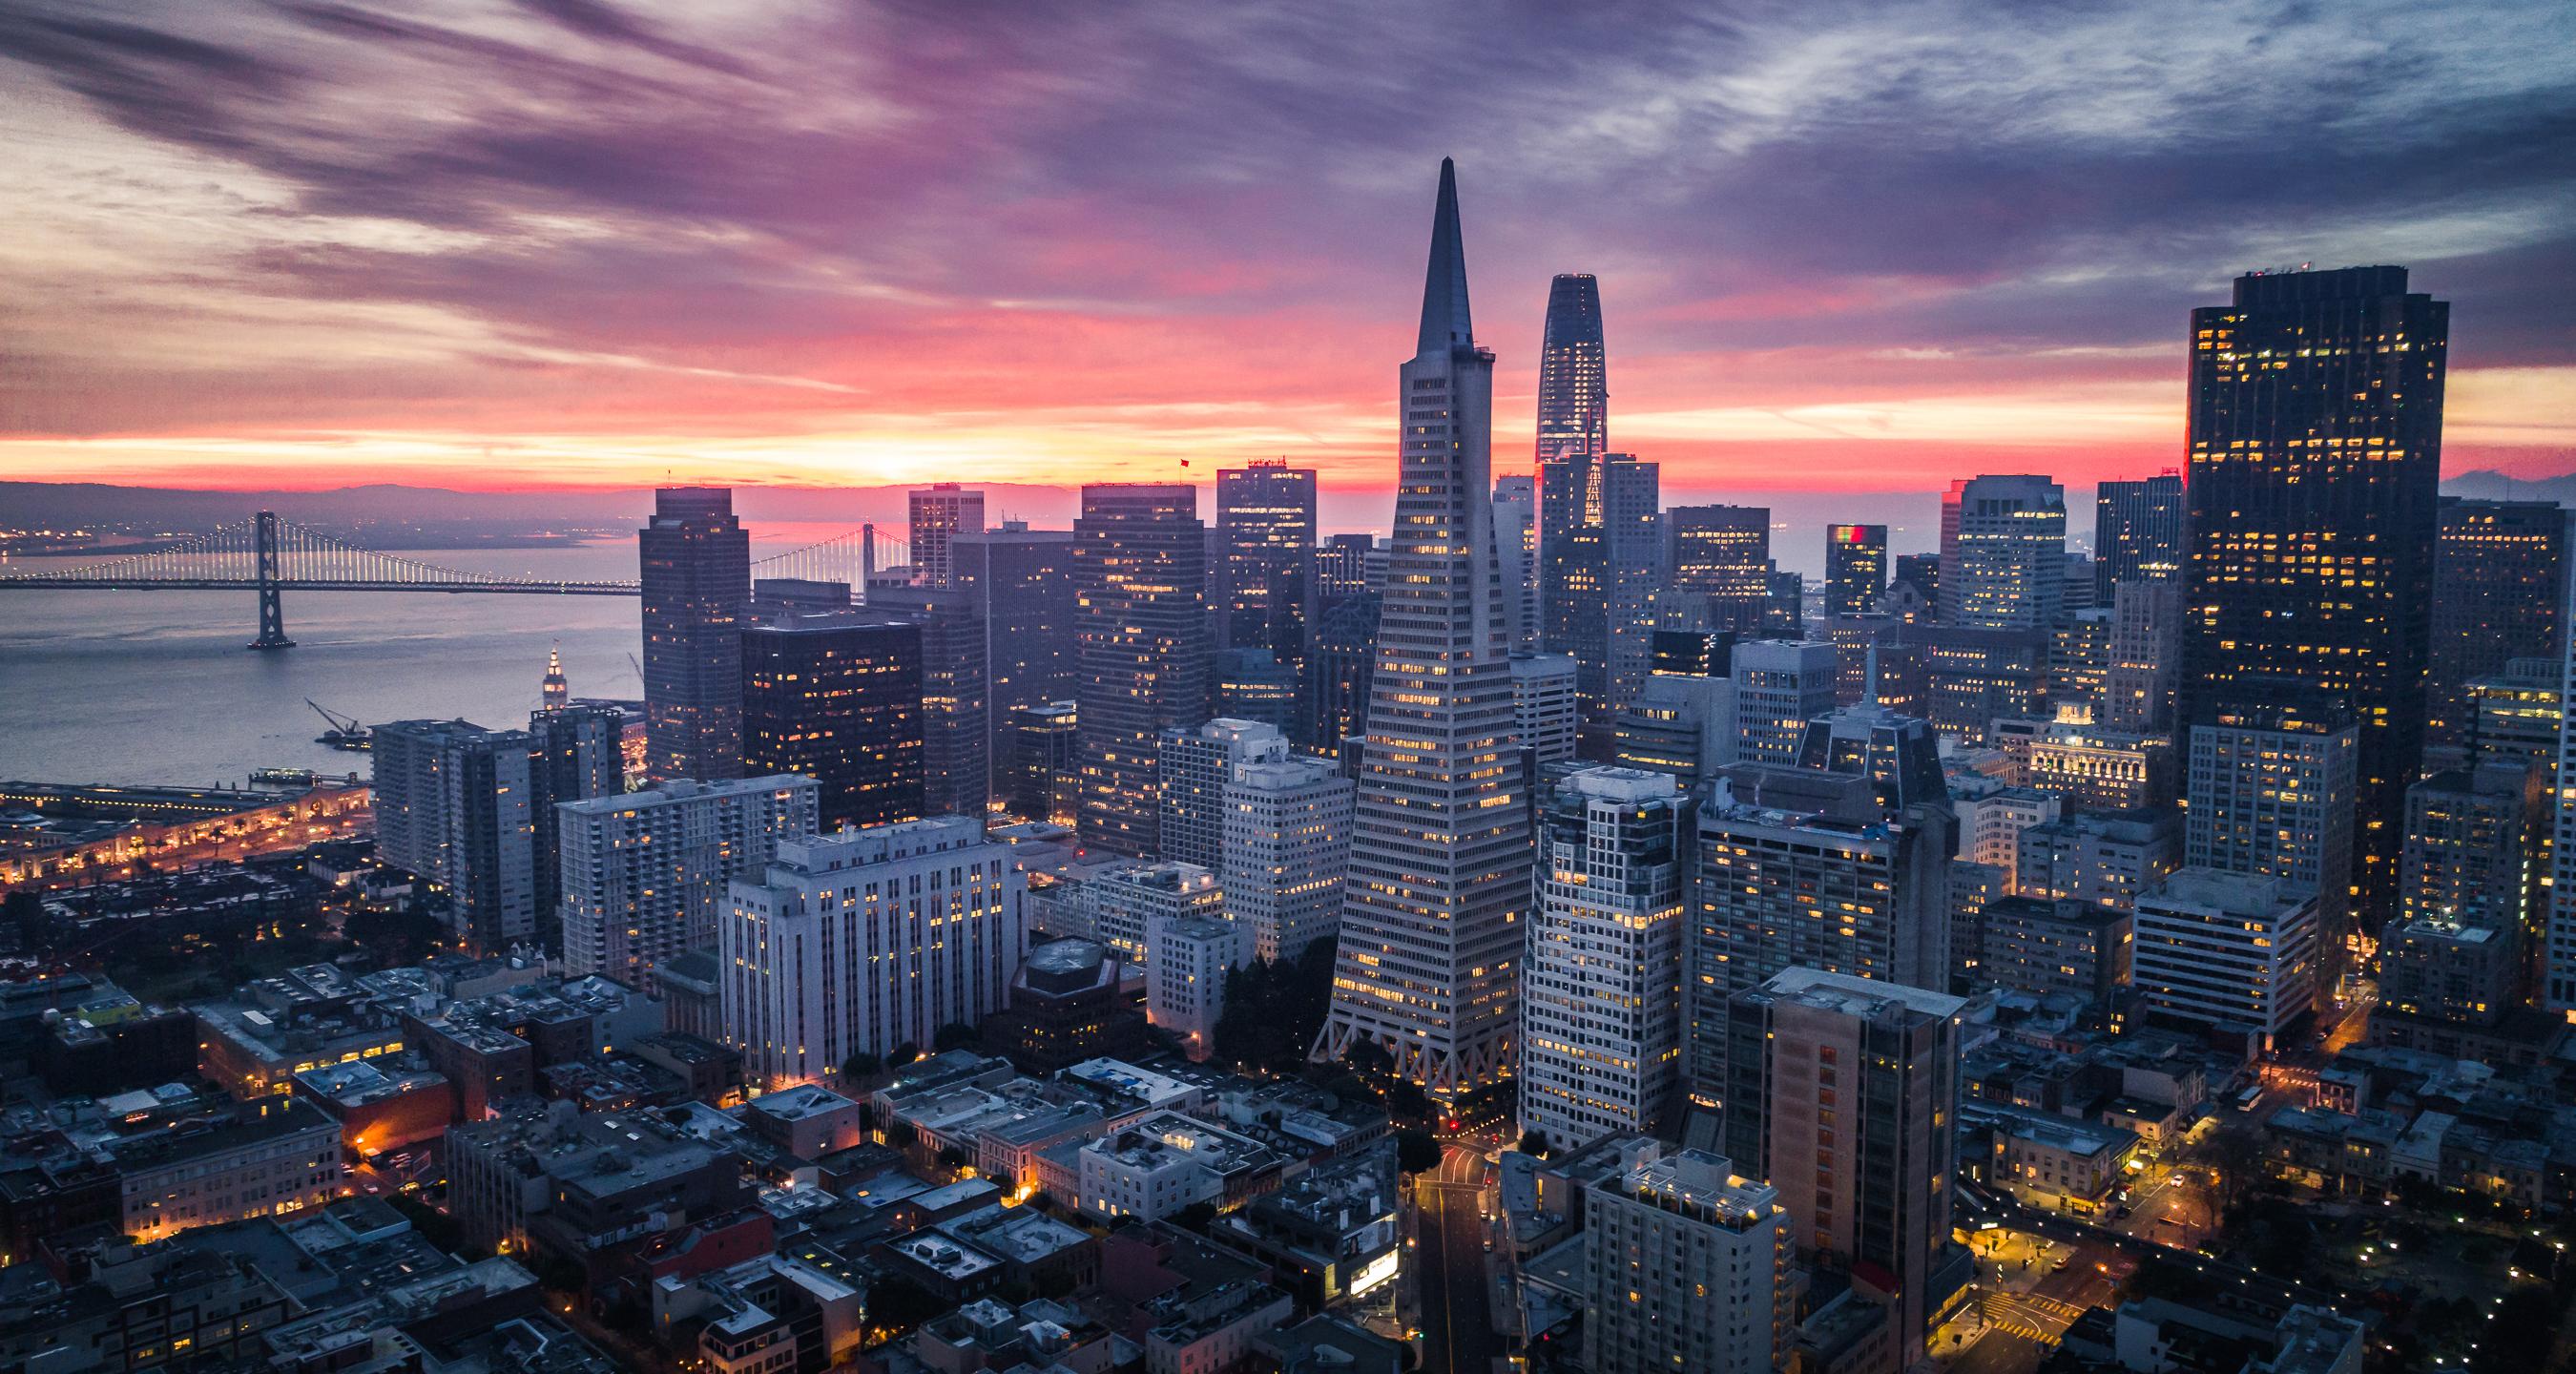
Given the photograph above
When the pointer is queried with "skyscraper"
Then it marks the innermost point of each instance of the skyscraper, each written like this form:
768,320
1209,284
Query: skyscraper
1287,849
1265,535
643,874
555,691
2499,573
1440,856
1688,1269
838,700
1341,568
2137,533
1140,579
940,513
1601,988
2227,949
695,561
1846,1096
1021,582
2143,671
574,753
2315,439
1855,568
1516,532
1340,661
1193,767
1573,371
1600,560
452,808
2271,794
956,735
1779,851
1779,687
1046,766
1720,566
2003,552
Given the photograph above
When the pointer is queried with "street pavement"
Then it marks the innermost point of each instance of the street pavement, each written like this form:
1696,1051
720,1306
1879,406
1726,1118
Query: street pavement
1457,1316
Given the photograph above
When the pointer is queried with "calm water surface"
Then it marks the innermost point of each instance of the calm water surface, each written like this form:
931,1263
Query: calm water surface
155,687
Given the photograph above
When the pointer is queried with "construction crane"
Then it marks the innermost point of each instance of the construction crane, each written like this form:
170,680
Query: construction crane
345,732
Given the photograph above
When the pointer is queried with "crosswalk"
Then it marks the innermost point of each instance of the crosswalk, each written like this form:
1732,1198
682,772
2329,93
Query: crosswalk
2031,1316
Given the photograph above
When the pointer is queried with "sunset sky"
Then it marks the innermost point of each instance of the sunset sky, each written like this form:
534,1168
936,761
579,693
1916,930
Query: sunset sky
1856,246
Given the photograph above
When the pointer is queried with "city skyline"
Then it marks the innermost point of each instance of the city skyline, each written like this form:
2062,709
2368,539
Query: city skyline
459,300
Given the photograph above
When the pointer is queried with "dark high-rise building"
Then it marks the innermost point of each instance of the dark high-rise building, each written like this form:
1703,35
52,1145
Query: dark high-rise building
1265,535
574,753
838,700
2315,438
1021,582
452,807
1720,562
1855,568
1429,963
2499,573
1600,560
1784,615
939,514
1140,583
1046,768
1339,666
1573,371
956,728
1844,1092
1341,569
1922,572
2137,533
695,560
1516,530
1252,684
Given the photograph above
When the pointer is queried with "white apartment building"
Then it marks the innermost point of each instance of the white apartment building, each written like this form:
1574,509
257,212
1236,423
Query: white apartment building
1186,961
1780,685
645,874
2227,948
1601,985
1688,1266
866,940
1546,710
1287,848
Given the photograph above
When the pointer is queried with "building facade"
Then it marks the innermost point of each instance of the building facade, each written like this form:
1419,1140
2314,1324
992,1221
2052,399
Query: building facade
645,876
1265,536
1601,984
2315,438
695,561
1440,855
838,700
867,940
1140,579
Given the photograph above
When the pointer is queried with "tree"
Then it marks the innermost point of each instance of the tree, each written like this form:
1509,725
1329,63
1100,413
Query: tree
952,1159
2521,1336
897,1305
860,1068
1416,1152
1274,1010
957,1035
1198,1216
901,1134
1534,1142
903,1054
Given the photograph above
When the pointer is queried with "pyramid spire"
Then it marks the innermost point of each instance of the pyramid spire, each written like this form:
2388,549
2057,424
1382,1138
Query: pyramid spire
1444,286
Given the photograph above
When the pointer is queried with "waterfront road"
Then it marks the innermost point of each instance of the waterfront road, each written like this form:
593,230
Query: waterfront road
1457,1318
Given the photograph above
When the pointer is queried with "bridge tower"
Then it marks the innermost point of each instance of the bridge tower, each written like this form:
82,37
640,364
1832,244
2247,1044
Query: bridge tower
272,616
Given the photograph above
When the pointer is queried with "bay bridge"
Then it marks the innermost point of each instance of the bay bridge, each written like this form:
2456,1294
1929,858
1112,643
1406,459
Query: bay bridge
269,556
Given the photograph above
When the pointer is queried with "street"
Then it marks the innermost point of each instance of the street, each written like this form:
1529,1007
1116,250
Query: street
1456,1316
